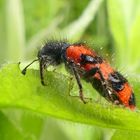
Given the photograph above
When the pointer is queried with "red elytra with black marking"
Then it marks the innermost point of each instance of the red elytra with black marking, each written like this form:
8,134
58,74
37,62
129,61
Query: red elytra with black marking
85,63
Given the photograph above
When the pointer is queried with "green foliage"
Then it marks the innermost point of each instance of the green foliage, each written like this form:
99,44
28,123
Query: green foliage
20,124
35,19
124,24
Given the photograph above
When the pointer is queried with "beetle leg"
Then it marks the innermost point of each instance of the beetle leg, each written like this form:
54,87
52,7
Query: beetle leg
107,93
42,67
77,77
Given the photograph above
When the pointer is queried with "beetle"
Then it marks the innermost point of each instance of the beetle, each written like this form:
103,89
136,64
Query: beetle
85,63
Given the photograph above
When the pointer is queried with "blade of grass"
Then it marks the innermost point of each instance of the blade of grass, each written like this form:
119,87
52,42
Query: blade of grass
120,23
15,32
77,27
134,51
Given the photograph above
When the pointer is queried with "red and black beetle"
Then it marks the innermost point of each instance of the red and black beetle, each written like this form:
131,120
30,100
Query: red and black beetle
85,63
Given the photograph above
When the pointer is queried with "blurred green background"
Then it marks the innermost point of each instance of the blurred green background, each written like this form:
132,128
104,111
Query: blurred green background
111,27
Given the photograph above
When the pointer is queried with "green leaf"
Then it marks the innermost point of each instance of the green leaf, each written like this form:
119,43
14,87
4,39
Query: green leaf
12,131
26,92
126,135
24,124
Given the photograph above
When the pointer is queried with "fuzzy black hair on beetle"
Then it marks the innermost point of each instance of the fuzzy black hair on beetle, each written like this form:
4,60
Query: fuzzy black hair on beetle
53,51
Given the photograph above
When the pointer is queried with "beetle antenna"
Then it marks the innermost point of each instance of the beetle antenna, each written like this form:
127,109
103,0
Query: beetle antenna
24,70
